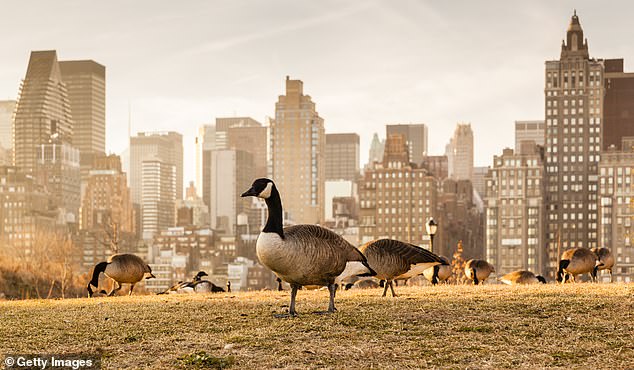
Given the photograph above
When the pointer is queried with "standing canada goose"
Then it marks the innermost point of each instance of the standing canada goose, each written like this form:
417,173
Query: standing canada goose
123,269
439,273
605,261
185,286
522,277
303,254
576,261
393,259
478,270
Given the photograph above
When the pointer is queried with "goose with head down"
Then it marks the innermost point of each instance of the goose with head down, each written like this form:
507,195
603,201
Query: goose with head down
478,270
576,261
394,260
303,254
522,277
123,269
605,262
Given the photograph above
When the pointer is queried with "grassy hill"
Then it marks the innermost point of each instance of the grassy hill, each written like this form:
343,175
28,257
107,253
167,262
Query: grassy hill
571,326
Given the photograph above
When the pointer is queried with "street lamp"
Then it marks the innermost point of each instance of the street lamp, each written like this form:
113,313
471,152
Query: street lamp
431,227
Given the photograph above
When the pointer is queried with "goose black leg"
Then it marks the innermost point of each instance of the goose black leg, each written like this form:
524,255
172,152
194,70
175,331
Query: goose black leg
611,281
385,289
279,285
291,309
593,274
114,290
392,289
434,278
332,288
475,277
131,288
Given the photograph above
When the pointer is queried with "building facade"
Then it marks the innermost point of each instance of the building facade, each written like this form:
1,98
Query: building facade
58,169
415,136
297,152
158,197
618,103
85,82
574,92
514,212
7,109
529,131
342,157
459,153
43,110
395,198
166,147
616,207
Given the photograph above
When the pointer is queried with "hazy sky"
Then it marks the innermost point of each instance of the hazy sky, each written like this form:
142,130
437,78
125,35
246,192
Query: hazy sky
365,63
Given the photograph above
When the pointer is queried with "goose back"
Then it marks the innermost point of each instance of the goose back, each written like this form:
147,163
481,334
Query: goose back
126,268
307,255
580,260
205,286
606,258
483,269
519,277
393,259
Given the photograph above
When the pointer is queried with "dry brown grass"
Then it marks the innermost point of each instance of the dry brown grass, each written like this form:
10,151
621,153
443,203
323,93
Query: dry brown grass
553,326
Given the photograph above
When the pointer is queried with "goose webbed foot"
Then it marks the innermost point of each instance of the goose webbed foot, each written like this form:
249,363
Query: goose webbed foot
285,315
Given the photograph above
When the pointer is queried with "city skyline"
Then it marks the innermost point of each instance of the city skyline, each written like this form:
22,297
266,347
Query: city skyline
191,77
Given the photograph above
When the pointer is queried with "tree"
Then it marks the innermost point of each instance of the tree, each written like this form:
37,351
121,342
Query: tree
457,265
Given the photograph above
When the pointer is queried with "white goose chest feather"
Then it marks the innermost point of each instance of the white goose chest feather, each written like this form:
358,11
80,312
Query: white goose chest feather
272,251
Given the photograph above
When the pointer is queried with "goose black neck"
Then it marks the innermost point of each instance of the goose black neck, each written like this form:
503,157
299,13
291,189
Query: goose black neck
99,268
274,220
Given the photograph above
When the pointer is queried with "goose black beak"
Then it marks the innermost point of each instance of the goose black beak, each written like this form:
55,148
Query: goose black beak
151,276
249,193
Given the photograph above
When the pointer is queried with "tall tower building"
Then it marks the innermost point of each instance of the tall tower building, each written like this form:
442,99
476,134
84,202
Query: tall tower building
86,85
574,92
460,153
166,147
618,104
298,143
342,157
158,196
416,137
205,143
7,108
245,134
376,150
43,110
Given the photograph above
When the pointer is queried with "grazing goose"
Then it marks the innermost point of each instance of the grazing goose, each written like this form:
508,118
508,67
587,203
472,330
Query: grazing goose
439,273
185,286
303,254
363,284
521,277
206,286
478,270
576,261
605,262
393,259
123,269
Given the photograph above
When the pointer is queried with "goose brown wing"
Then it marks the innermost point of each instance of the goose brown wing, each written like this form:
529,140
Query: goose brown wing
408,252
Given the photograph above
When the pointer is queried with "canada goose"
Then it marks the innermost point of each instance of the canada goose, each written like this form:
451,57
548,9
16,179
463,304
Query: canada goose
393,259
478,270
363,284
206,286
303,254
185,286
576,261
522,277
605,262
439,273
123,269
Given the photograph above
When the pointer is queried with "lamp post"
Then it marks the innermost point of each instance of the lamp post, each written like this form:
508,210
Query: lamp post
431,227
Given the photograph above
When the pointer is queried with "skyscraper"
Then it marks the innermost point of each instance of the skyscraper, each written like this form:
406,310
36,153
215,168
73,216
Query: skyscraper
529,131
248,135
166,147
574,113
7,108
158,196
85,82
459,153
376,150
515,212
416,138
205,142
342,157
618,104
297,151
43,112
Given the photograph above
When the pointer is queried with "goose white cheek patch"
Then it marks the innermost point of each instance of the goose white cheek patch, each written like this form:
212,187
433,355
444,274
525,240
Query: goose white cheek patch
266,192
